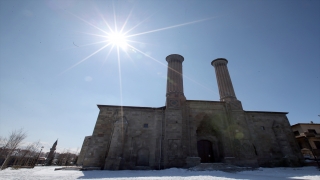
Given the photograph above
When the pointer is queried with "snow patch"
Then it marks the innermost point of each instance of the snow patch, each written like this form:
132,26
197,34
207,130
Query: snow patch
46,173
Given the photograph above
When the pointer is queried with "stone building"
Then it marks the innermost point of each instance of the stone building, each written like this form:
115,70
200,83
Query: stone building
184,133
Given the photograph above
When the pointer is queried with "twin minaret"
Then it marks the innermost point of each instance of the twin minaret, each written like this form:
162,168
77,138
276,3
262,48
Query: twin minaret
175,95
226,90
176,133
175,80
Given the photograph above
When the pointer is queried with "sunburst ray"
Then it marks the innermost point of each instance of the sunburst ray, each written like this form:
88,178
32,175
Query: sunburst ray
115,38
170,27
81,61
163,64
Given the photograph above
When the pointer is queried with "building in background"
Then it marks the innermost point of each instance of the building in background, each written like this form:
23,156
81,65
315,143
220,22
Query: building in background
185,133
308,137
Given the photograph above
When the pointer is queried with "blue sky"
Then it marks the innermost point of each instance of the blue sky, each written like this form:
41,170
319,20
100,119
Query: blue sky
273,49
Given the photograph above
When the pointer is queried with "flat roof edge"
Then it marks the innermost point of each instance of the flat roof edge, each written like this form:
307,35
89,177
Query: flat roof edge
305,124
138,107
267,112
205,101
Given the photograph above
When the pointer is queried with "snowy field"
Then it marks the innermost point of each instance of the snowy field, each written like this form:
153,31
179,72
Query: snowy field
46,173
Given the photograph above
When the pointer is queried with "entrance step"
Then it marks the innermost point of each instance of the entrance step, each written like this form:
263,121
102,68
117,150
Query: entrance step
219,167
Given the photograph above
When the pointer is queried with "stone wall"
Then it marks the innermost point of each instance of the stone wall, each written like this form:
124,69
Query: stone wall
125,138
83,150
208,122
225,126
273,139
154,138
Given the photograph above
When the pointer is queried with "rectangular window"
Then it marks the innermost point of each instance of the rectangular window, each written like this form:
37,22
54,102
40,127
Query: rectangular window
262,128
145,125
312,131
296,133
317,143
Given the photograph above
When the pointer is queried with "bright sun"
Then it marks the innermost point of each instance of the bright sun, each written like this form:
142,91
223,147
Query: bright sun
118,39
121,40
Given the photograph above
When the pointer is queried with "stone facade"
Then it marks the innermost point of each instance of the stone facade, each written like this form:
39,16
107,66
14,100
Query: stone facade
185,133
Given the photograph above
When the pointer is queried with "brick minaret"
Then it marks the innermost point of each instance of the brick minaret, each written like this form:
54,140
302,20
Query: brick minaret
174,136
226,90
50,156
175,95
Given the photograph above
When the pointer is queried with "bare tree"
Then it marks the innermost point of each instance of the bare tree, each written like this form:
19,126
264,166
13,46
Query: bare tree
3,142
61,159
12,143
27,156
65,158
35,153
76,155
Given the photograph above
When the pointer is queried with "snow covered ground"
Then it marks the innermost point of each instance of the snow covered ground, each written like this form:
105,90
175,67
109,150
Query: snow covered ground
46,173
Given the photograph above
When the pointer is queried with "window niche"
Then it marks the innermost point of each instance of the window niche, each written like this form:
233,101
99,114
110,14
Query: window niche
312,131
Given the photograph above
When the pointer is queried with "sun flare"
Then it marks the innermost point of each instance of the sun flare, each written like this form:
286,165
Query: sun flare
121,39
118,39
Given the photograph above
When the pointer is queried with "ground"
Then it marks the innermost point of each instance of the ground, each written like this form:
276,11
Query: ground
46,173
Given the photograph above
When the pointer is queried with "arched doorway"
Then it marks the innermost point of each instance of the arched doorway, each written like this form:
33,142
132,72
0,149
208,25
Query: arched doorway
205,151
